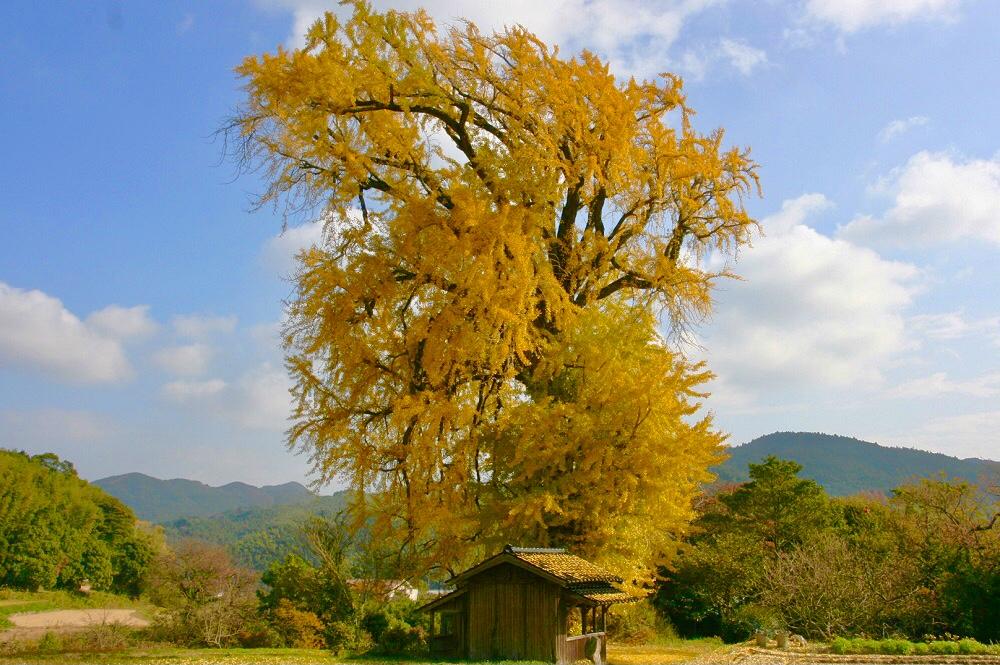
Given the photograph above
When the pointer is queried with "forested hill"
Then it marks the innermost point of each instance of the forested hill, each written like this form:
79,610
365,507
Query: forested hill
165,500
57,530
259,535
846,466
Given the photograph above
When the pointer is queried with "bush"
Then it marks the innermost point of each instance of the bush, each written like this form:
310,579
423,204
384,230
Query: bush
298,628
840,645
50,643
375,623
896,647
402,639
968,646
899,647
207,599
749,619
259,635
638,623
943,648
342,636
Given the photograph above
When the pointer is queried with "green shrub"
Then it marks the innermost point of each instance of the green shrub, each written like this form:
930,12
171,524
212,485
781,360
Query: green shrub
638,623
746,620
343,636
943,648
970,646
259,635
401,639
375,623
900,647
50,643
866,646
895,647
840,645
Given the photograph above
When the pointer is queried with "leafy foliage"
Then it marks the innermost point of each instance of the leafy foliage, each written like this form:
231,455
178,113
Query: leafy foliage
256,537
297,583
475,347
207,599
778,553
842,645
57,530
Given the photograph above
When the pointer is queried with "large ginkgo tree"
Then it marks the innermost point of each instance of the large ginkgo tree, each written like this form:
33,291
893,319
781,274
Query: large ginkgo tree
480,347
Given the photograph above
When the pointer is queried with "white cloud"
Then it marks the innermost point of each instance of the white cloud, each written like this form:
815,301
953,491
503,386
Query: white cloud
256,400
812,311
742,56
38,333
937,198
901,126
197,326
37,428
185,391
123,322
280,251
853,15
964,435
634,35
955,325
184,360
260,399
695,64
938,384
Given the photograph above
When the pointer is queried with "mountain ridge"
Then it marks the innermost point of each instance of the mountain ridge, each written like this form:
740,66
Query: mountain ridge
846,465
158,500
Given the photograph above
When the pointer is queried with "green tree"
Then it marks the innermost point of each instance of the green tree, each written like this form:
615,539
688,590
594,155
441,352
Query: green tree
777,505
57,530
717,585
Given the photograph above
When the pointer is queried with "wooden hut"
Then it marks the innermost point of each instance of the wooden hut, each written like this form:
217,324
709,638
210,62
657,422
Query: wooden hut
517,606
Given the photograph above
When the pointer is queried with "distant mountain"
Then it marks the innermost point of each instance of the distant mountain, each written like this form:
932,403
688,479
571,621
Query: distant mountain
846,466
164,500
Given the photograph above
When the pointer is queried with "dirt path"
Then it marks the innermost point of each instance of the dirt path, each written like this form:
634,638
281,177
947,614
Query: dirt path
76,618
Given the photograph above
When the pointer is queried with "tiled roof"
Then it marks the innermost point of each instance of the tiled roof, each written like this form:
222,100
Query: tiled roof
605,594
559,563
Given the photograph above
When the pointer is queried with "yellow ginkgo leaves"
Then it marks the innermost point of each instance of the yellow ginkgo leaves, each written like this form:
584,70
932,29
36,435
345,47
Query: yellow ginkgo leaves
475,348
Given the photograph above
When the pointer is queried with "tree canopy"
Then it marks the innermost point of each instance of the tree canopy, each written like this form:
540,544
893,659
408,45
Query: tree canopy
57,530
476,346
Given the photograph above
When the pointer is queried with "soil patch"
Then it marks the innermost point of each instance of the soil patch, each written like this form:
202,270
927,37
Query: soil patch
756,656
76,618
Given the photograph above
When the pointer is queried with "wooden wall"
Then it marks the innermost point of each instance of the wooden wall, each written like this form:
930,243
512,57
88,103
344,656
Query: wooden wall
512,615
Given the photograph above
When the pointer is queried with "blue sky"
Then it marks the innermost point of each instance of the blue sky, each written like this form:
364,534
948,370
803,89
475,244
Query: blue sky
139,296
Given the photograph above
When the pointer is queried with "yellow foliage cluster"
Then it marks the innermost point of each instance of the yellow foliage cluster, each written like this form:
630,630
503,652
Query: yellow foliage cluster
475,345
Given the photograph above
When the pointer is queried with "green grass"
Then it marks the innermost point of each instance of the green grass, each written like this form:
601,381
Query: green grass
672,651
176,656
843,645
15,602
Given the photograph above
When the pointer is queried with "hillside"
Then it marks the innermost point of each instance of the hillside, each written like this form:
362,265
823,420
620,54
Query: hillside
164,500
259,535
846,466
57,530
